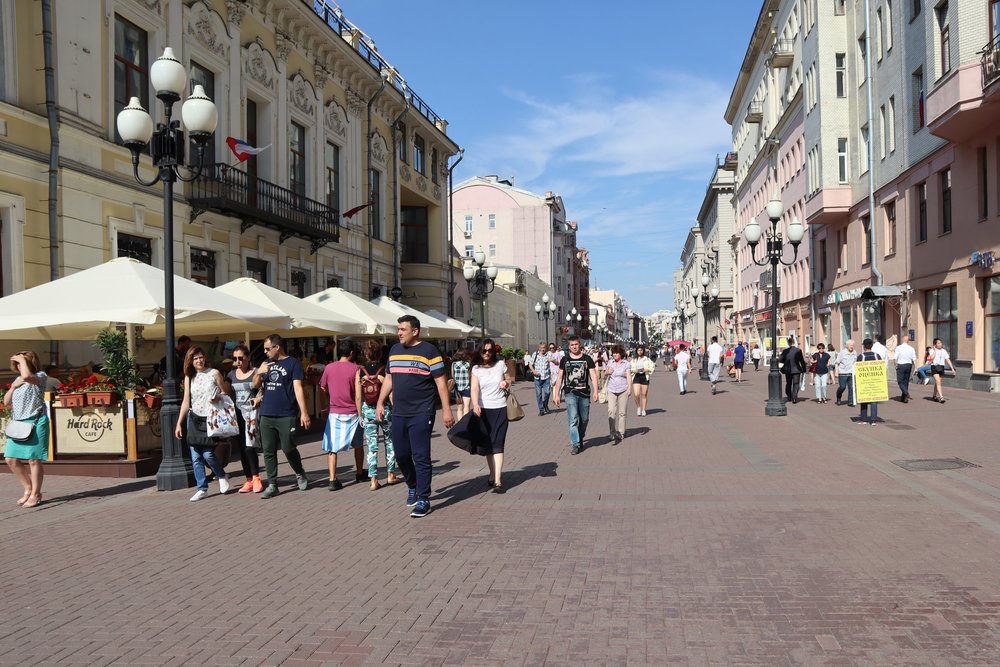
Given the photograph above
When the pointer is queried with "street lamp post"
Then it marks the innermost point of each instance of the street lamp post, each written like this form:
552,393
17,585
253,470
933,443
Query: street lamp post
775,247
546,310
573,316
481,282
681,309
167,145
703,297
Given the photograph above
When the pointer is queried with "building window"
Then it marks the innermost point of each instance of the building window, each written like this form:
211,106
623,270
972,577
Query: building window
879,33
418,154
890,228
298,282
416,244
842,255
862,59
257,269
468,225
993,323
201,76
492,220
375,197
839,7
915,8
131,66
866,239
944,37
333,281
470,251
864,154
842,172
135,247
982,168
883,132
946,201
888,25
994,20
493,250
942,316
297,159
841,63
333,176
822,261
203,266
435,165
892,123
921,212
401,149
8,47
917,93
846,324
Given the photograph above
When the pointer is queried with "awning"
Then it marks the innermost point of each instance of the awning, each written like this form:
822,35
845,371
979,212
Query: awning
880,291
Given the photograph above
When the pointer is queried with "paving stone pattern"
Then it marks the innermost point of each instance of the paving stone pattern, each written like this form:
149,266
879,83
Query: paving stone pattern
712,535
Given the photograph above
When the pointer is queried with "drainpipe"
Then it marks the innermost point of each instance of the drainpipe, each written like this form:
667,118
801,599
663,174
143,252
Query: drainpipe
873,244
451,230
396,277
371,193
52,111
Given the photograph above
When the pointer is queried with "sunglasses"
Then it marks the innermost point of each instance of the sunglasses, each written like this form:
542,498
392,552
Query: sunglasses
239,358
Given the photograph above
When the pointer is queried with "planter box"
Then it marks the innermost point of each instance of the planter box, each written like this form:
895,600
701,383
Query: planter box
101,397
153,401
71,400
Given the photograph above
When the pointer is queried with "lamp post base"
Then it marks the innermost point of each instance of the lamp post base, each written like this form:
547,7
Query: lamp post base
174,472
775,406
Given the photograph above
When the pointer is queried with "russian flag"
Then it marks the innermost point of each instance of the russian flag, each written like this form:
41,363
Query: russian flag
242,150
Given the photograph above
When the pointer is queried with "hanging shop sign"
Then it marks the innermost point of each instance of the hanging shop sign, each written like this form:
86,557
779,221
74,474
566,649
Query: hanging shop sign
847,295
762,317
982,258
745,318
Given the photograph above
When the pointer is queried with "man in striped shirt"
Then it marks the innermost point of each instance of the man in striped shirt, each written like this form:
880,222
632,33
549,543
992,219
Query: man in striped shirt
416,372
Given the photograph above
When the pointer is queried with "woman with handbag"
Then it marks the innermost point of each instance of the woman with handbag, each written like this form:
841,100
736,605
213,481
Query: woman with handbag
642,369
489,387
245,384
203,385
618,389
821,372
28,431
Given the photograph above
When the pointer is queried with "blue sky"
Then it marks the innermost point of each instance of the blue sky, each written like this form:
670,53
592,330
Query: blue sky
615,106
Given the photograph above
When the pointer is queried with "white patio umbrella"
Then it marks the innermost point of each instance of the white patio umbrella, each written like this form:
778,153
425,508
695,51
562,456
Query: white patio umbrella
378,321
470,330
308,319
125,291
430,326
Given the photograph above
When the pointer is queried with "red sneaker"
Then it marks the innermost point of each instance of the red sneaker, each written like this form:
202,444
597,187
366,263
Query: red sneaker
247,486
258,486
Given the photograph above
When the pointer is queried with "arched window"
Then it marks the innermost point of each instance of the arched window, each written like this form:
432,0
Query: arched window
460,308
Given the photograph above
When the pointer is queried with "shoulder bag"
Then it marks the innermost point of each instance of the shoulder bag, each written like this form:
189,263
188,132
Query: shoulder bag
19,431
514,410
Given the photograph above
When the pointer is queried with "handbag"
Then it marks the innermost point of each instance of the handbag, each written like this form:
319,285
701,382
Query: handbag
514,410
221,421
19,431
812,367
602,394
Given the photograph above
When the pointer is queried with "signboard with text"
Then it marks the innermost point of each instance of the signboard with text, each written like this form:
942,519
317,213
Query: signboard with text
871,382
89,430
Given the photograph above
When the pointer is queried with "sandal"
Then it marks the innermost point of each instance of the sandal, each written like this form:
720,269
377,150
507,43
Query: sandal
393,479
23,499
375,485
36,503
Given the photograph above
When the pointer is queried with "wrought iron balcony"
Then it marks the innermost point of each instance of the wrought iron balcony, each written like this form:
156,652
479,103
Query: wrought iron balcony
783,54
225,189
991,62
755,112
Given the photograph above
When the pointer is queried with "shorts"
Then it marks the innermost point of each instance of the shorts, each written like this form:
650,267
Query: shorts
640,378
464,393
937,370
738,365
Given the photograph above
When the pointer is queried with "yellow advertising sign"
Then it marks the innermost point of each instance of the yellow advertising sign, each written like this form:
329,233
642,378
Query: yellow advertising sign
871,382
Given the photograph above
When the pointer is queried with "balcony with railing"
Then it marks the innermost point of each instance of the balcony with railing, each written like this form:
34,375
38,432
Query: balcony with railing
990,63
783,54
962,104
755,112
227,190
333,16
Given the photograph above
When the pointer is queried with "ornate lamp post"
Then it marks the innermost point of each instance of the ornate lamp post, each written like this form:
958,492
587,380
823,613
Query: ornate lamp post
574,317
681,309
702,297
775,246
167,144
481,282
546,310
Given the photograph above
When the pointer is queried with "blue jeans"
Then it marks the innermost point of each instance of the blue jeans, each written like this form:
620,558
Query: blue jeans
412,439
200,456
864,412
923,371
542,390
844,382
577,414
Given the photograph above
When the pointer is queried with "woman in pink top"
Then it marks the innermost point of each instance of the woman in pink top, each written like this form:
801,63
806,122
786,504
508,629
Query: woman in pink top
339,383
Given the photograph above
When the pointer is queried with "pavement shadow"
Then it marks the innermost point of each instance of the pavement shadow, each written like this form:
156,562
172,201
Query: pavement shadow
104,492
469,488
653,411
632,432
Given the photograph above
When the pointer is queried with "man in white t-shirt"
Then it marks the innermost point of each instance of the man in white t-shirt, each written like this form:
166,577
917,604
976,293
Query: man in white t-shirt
906,356
682,362
880,349
714,361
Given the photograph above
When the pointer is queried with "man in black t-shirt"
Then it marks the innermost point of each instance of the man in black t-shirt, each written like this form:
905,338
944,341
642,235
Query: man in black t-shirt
283,401
579,373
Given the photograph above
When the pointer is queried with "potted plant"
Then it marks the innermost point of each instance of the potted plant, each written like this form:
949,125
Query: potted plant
70,395
118,369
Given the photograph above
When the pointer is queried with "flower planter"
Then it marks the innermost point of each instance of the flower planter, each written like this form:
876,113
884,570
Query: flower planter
153,401
101,397
71,400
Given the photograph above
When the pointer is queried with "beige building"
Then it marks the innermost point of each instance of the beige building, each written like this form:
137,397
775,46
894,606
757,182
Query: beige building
293,76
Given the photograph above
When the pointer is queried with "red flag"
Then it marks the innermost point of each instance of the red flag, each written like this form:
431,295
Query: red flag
349,214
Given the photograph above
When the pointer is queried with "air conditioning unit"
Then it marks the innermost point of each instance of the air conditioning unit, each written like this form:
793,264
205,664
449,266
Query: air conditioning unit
467,234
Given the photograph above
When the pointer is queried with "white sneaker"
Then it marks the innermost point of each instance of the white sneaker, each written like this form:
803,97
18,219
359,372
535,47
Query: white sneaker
198,495
643,413
638,412
224,485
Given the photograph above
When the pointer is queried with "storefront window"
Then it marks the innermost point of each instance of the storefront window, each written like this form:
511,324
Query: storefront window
993,324
941,309
846,325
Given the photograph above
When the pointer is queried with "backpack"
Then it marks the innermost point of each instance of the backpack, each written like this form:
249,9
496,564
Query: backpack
371,385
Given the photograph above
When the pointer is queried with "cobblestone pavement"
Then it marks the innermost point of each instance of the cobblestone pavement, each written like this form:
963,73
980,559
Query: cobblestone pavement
712,535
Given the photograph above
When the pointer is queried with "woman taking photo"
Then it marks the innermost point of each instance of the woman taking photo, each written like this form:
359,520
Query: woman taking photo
489,403
245,385
203,385
460,369
370,377
642,368
617,373
26,400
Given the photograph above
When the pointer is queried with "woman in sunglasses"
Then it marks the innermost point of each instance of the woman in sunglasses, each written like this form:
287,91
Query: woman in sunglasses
246,385
489,403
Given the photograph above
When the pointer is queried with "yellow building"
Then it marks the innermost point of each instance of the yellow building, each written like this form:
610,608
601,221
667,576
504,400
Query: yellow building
295,76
